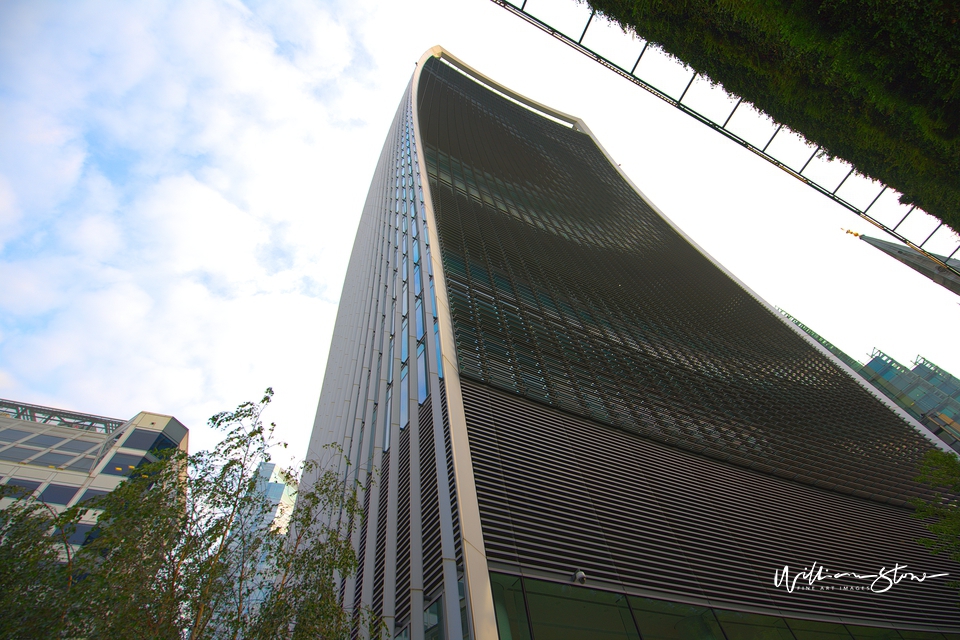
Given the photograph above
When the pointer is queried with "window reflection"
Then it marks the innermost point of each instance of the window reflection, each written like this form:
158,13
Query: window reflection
528,609
433,621
567,612
660,620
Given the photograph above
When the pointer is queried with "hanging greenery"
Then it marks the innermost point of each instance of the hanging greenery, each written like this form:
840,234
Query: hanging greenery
875,82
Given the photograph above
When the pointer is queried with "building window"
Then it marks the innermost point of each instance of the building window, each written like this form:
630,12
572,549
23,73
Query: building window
90,494
669,620
52,459
77,446
83,464
12,435
44,440
17,454
21,488
557,610
509,607
148,441
421,374
433,621
80,535
122,464
404,397
58,494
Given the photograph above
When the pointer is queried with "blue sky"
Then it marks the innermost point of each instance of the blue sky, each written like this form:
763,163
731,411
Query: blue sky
180,184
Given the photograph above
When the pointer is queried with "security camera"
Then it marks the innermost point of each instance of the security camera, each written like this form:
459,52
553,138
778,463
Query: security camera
580,577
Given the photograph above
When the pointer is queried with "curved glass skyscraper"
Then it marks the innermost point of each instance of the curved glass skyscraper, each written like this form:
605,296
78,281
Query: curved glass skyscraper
570,422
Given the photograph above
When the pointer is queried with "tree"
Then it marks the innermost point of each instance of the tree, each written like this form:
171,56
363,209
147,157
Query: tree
33,576
941,469
187,547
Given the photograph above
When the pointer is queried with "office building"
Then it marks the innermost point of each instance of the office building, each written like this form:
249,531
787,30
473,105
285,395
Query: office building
928,393
280,491
920,263
570,422
64,457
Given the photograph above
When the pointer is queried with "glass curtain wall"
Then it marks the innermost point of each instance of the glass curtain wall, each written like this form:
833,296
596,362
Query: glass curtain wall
528,609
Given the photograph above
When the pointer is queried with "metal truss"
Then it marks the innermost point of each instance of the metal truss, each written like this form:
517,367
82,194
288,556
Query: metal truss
942,262
48,415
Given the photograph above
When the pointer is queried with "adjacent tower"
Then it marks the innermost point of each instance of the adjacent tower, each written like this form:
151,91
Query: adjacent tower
569,421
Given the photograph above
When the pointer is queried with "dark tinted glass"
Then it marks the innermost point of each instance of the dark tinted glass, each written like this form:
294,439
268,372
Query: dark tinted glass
872,633
141,439
12,435
565,612
53,459
659,620
80,535
811,630
17,454
123,463
83,464
58,494
751,626
90,494
509,606
78,446
148,440
433,621
163,442
23,487
44,441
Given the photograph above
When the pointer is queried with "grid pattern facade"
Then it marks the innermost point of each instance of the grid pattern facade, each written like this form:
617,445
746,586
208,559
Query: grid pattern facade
567,288
633,411
64,458
651,519
928,393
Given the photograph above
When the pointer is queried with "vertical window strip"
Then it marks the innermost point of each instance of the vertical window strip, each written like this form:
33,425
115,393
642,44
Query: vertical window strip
404,397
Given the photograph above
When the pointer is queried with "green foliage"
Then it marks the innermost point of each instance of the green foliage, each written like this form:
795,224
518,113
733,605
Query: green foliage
941,469
34,578
185,548
876,83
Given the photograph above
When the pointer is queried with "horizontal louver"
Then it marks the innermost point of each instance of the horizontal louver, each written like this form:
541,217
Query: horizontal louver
559,492
566,287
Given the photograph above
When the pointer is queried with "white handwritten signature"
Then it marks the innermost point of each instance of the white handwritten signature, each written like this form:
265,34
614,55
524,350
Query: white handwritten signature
883,581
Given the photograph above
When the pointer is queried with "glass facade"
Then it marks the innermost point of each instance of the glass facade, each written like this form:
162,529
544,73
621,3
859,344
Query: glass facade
568,288
62,458
613,401
927,392
529,609
634,411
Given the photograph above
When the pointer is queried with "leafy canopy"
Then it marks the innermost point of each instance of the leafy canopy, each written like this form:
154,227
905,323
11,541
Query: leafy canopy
874,83
186,547
941,469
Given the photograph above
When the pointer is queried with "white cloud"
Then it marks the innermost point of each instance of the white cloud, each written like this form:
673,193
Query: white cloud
9,211
180,185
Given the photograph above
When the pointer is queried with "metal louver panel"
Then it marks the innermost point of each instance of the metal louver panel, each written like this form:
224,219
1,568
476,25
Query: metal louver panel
403,526
560,492
432,568
568,288
633,411
379,567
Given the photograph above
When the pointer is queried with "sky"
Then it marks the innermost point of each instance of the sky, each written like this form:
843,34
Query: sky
180,185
